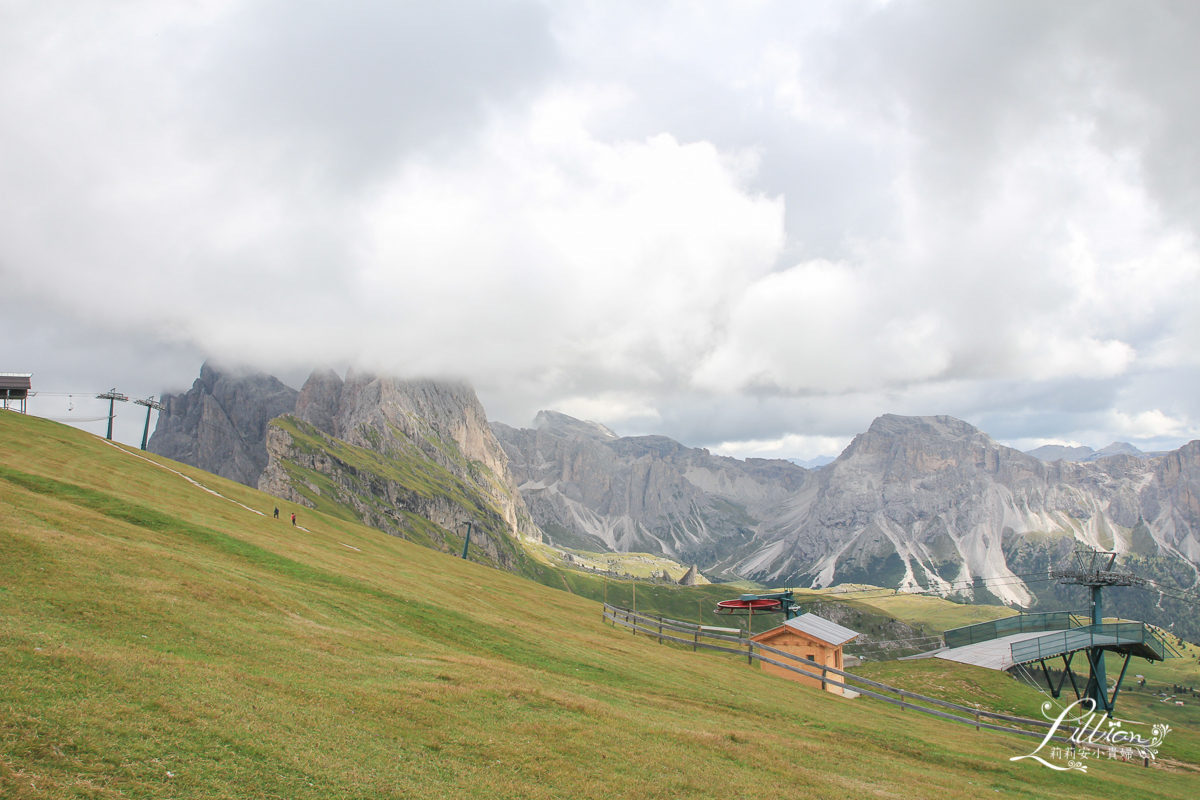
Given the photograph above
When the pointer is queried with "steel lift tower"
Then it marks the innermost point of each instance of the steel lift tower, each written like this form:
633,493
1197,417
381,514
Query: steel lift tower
1094,569
151,405
112,396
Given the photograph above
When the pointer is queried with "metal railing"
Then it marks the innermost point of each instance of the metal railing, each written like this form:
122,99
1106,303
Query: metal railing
1109,634
1021,623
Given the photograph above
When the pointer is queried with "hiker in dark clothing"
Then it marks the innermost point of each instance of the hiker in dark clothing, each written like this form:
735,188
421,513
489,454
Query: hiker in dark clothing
293,517
276,512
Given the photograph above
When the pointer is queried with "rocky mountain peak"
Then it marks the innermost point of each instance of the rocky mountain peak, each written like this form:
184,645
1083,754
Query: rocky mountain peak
223,425
1117,449
220,424
320,400
941,426
895,443
562,424
209,375
442,419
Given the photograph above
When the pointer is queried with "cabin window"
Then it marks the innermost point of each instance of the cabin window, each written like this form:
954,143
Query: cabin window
811,657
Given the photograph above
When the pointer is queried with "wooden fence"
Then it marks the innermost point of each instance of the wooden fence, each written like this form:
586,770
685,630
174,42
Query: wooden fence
664,628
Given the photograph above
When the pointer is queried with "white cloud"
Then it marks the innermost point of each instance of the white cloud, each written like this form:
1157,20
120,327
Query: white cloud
792,446
822,327
674,215
613,407
1152,424
1046,355
614,259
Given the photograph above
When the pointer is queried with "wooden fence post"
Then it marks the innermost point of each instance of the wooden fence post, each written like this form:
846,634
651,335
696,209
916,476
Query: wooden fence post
749,652
824,672
696,643
660,630
901,693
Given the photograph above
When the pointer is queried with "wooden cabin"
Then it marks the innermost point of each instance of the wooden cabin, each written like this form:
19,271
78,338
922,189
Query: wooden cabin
812,637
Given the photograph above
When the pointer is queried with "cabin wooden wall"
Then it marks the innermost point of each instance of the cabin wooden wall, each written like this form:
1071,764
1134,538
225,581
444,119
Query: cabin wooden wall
800,645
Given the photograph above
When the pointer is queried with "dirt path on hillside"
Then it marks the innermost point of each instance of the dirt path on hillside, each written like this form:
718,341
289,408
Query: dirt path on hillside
193,481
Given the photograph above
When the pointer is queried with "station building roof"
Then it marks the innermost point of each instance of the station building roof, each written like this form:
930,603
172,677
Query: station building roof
15,380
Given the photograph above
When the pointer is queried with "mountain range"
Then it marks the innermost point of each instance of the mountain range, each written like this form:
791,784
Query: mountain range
1059,452
913,503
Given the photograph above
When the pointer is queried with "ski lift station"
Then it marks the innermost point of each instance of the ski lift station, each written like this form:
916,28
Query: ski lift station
1027,641
14,389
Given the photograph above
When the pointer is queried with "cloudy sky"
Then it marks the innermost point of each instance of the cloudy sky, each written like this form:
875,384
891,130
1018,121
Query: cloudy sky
750,226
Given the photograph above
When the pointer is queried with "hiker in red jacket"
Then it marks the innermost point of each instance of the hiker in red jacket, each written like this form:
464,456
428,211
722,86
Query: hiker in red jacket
293,518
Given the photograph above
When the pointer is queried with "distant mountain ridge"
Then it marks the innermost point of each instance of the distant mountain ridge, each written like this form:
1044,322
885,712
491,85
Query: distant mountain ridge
933,501
586,487
813,463
914,502
911,503
1059,452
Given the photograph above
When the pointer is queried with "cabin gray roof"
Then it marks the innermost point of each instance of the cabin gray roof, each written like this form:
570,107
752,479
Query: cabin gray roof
821,628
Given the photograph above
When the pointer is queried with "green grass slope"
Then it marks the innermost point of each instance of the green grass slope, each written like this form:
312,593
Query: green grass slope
158,640
698,604
933,613
398,489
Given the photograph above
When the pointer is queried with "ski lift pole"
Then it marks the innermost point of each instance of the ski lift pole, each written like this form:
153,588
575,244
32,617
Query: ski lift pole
467,541
151,405
112,395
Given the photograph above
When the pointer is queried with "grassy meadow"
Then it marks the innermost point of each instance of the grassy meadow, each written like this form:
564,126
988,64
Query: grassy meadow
158,640
934,613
